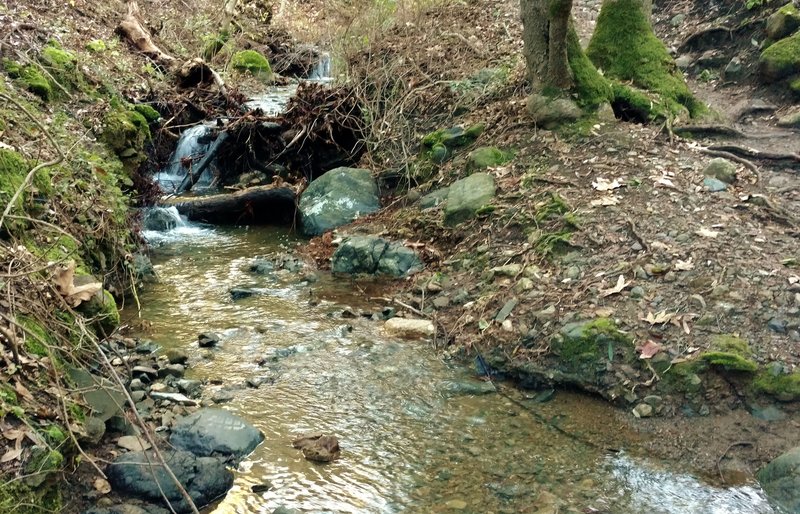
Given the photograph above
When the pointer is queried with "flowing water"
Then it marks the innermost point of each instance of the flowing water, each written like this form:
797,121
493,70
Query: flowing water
411,440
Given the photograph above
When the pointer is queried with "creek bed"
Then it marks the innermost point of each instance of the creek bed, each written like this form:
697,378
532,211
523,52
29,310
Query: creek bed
412,439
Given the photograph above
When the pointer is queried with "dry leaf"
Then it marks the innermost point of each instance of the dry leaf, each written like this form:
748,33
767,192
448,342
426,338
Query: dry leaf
657,319
705,232
664,181
64,280
649,349
621,284
602,184
606,201
686,265
23,391
10,455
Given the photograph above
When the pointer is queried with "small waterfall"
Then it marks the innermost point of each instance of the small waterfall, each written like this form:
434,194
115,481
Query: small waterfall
165,225
192,146
162,219
322,72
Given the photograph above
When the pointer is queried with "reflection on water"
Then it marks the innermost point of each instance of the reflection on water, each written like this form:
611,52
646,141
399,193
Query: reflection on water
410,442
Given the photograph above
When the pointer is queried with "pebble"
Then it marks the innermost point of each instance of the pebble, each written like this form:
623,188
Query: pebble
777,325
714,185
207,340
643,410
133,443
175,356
222,397
137,396
136,385
573,273
637,292
456,504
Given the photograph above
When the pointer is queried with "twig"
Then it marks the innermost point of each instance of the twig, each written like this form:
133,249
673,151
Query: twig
741,160
730,446
32,172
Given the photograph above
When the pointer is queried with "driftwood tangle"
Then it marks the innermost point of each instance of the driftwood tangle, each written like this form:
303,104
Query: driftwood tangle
255,205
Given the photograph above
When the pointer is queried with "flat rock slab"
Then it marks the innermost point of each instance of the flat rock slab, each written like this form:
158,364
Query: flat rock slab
466,196
105,398
139,474
173,397
216,432
133,443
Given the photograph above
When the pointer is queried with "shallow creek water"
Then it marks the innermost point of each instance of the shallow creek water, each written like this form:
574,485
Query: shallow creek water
410,443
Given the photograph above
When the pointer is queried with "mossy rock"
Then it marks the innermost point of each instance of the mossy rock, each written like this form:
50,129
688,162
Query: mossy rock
36,337
13,170
453,137
783,22
253,62
125,130
213,44
683,377
102,309
30,77
63,66
625,48
586,347
149,113
486,157
781,59
784,387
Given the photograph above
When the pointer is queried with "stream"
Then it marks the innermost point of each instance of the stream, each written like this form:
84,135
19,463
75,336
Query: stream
413,439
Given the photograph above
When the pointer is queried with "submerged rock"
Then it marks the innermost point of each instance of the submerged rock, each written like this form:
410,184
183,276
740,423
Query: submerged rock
140,475
373,255
336,198
216,432
318,447
781,480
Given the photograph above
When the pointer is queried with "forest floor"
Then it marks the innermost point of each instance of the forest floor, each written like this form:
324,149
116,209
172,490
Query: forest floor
693,263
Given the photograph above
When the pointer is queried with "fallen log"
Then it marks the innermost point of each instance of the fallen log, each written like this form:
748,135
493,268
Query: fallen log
140,37
260,205
193,175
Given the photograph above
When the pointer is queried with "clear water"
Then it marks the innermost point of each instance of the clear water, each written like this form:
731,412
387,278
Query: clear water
409,444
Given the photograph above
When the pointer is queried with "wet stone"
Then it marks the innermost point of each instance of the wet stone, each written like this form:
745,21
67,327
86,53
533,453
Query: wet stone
777,325
136,385
176,356
189,387
174,370
207,340
643,410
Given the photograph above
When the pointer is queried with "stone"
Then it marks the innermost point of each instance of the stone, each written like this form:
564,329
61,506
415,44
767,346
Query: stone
467,387
714,185
337,198
485,157
139,474
467,196
104,398
222,396
777,325
177,356
127,508
783,22
93,430
373,255
407,328
637,292
677,20
240,293
456,504
790,120
207,340
137,396
549,113
261,267
189,387
684,62
133,443
318,447
172,370
160,219
721,169
143,268
434,198
643,410
145,370
733,70
216,432
173,397
780,479
136,385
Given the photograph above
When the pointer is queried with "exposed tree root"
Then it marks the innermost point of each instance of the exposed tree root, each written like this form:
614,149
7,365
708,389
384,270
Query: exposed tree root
756,154
716,130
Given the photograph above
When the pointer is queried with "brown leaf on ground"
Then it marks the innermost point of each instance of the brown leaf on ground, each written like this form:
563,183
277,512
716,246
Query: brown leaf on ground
64,281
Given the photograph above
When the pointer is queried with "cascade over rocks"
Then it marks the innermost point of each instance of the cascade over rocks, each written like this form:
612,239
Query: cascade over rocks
337,198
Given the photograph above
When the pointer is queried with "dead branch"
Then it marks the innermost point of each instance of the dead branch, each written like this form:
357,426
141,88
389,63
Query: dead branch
716,130
756,154
728,155
132,29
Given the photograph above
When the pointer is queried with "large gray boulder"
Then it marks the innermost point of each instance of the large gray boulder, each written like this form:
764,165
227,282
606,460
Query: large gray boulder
139,474
466,196
215,432
781,480
373,255
337,198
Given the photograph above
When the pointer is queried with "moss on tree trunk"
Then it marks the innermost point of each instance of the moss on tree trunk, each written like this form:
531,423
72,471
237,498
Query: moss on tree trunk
625,48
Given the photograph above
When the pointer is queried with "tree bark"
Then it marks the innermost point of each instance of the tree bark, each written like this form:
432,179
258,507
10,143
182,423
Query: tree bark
545,25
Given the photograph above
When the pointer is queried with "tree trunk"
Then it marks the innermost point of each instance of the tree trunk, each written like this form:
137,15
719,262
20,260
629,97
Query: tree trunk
545,25
255,205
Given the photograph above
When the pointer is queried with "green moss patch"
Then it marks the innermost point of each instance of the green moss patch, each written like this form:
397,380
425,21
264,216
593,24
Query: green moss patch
453,137
213,44
785,387
781,59
125,132
97,46
149,113
485,157
102,309
730,353
31,78
252,62
591,87
625,48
